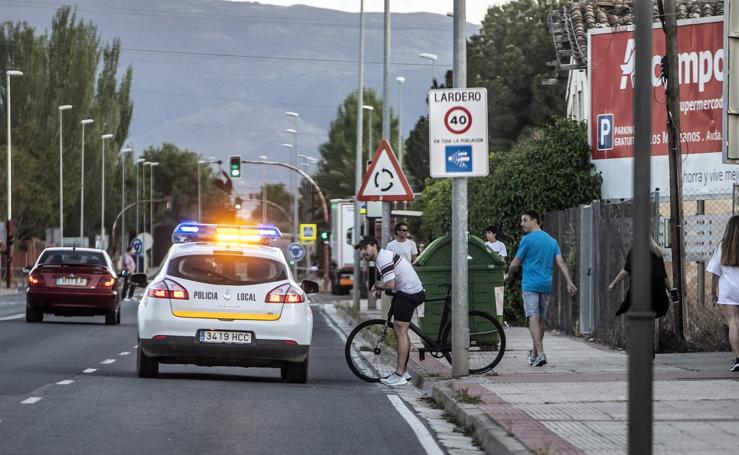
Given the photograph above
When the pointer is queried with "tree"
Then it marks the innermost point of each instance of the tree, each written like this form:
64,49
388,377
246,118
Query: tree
416,163
278,203
509,58
336,170
65,66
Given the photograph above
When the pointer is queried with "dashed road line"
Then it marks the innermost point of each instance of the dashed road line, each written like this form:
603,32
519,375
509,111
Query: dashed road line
107,361
65,382
89,370
124,353
31,400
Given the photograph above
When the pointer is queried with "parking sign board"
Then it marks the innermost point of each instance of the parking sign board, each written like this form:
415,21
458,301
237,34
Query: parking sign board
458,132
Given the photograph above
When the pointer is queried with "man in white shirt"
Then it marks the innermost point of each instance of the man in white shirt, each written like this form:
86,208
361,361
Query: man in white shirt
398,276
495,245
402,245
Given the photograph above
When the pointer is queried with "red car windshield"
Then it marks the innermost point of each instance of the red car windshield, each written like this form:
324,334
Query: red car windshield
72,258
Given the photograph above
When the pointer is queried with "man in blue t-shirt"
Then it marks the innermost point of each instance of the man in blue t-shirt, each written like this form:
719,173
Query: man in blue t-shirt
536,254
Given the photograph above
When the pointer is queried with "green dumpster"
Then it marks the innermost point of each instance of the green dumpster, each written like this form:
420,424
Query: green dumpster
434,267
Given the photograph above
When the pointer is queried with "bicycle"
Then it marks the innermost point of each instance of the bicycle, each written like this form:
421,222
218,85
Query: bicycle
370,347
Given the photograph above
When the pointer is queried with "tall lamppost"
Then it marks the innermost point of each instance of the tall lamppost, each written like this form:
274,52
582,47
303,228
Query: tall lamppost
84,122
9,224
143,193
264,191
400,80
122,157
140,161
307,161
432,58
369,109
293,178
61,173
151,209
294,227
103,138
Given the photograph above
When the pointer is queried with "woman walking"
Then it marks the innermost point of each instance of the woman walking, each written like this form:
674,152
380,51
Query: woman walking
724,265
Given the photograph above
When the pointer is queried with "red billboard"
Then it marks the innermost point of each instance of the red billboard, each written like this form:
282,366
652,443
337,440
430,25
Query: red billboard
611,69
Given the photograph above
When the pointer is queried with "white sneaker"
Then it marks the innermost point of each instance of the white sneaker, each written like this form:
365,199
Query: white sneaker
541,360
406,375
394,380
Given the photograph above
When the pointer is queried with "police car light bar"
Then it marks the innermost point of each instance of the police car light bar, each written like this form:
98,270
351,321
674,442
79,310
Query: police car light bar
224,234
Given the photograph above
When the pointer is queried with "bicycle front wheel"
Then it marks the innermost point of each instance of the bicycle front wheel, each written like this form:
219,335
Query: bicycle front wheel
487,342
370,350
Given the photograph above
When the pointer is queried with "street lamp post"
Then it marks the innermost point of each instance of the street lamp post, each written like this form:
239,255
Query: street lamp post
294,228
293,179
400,80
9,224
264,192
84,122
103,243
61,173
122,157
140,161
151,209
432,58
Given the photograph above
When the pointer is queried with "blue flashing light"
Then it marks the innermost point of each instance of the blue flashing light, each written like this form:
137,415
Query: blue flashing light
224,234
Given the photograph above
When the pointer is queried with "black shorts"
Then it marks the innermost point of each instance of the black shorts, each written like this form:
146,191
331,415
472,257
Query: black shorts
404,304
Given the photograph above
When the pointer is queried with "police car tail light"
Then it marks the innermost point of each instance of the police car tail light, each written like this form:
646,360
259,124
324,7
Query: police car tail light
106,282
168,289
285,294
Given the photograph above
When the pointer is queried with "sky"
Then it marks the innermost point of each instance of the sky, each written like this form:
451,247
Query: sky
476,9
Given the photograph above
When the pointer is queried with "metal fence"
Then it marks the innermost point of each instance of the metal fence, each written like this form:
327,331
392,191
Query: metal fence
595,240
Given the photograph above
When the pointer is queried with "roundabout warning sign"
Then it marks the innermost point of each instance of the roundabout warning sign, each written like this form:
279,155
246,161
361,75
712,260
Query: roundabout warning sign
458,132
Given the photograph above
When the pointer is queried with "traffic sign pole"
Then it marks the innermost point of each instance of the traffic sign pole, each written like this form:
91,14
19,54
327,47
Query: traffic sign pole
460,323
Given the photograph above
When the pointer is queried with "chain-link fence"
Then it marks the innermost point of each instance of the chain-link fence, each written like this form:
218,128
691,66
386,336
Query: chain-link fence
595,240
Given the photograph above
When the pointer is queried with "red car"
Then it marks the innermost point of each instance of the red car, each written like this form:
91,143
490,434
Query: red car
73,282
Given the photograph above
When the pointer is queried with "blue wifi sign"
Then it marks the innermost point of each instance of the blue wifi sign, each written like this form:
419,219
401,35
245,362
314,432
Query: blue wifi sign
458,158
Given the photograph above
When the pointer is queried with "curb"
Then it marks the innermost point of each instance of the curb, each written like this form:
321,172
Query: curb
492,438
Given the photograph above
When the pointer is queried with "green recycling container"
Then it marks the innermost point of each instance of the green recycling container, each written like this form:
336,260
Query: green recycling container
434,267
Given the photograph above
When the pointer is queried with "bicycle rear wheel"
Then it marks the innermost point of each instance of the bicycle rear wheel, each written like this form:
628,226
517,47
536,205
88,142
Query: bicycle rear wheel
370,350
487,342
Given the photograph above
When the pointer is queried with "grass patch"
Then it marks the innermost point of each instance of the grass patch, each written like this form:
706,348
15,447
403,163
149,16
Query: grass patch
459,427
462,395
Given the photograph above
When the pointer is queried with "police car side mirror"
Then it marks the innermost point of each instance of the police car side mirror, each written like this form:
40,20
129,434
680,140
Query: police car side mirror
309,287
26,270
139,279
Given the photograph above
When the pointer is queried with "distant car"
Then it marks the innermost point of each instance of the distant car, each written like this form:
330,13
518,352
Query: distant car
222,298
73,282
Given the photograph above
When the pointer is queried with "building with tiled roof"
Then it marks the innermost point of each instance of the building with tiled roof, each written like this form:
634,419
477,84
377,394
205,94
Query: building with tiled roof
569,24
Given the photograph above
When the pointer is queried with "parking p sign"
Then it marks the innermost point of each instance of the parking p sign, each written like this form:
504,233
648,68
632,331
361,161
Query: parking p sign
458,132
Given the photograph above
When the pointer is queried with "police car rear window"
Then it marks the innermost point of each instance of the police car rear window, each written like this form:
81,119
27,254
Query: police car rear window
225,269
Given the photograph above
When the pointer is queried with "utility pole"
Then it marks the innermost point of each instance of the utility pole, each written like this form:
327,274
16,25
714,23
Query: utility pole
385,234
358,159
460,322
641,316
669,24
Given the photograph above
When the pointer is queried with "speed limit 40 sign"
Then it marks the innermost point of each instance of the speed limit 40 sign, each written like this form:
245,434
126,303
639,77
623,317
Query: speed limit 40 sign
458,132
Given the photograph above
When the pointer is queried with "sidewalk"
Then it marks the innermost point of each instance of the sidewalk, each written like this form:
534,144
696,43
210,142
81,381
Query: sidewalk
577,403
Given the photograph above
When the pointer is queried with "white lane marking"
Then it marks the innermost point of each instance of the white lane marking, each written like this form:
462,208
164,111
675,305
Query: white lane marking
65,382
124,353
31,400
89,370
333,325
424,437
107,361
15,316
135,346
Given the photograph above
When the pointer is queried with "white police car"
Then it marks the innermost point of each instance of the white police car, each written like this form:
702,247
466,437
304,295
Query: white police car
223,298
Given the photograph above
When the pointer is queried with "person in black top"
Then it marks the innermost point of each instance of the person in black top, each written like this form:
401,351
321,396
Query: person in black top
659,284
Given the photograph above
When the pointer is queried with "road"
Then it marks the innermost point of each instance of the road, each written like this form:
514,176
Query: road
69,385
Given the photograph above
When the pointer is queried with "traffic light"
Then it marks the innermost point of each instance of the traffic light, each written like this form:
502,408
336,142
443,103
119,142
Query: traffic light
234,166
237,203
325,236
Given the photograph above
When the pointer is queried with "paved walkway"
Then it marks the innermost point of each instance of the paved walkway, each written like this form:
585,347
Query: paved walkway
577,403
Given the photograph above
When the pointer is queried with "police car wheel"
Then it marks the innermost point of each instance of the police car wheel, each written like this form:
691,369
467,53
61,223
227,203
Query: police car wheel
147,367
